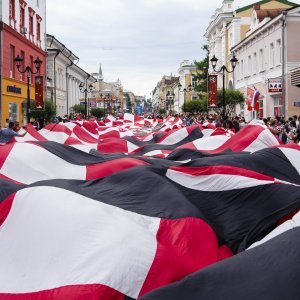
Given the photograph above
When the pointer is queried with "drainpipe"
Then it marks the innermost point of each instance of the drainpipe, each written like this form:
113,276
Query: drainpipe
58,51
67,86
284,15
1,28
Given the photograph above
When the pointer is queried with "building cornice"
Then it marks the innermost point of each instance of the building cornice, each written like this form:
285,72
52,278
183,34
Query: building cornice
220,18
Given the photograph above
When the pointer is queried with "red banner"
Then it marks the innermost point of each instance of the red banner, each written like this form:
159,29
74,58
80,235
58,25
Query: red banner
212,90
93,102
39,92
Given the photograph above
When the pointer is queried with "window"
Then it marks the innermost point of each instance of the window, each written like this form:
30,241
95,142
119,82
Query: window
272,55
12,12
22,55
38,31
31,25
194,81
249,65
22,17
31,13
11,61
254,63
13,112
237,71
31,66
278,52
261,60
278,105
242,69
261,108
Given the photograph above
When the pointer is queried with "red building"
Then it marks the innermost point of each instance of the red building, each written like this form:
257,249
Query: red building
22,33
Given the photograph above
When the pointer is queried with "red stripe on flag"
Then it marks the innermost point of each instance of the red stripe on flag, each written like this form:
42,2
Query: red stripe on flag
241,140
221,169
4,152
184,246
73,292
5,207
84,136
58,128
34,133
113,145
107,168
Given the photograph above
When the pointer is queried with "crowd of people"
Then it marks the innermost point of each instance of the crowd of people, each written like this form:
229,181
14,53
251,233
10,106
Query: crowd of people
287,131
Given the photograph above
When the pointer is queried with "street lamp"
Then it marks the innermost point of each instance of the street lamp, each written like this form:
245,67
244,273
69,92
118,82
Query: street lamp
85,91
222,70
189,88
37,63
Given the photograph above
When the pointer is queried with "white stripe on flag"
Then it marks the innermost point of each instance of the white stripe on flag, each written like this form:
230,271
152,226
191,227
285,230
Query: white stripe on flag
61,238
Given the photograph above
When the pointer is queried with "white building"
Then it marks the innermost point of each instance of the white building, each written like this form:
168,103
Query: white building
64,77
187,83
266,58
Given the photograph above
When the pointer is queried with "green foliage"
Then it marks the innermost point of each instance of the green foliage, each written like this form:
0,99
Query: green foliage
196,106
162,111
97,112
79,109
232,97
202,72
48,113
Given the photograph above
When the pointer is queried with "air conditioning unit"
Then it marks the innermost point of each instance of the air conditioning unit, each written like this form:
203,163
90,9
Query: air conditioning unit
24,30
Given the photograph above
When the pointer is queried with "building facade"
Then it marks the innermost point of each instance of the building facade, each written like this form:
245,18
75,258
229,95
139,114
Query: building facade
187,83
64,77
229,27
267,58
108,95
22,30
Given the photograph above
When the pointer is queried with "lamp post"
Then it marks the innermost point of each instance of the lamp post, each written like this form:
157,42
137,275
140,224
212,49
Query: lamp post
29,71
224,70
85,91
189,88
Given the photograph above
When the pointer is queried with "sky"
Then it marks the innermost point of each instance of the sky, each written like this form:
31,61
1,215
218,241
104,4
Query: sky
137,41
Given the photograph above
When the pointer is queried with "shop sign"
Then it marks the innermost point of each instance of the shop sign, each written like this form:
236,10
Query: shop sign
275,85
14,89
297,103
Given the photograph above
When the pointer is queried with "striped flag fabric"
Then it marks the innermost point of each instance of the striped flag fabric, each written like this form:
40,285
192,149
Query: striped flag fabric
185,213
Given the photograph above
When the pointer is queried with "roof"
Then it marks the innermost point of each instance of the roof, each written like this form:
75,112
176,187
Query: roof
263,2
261,28
268,13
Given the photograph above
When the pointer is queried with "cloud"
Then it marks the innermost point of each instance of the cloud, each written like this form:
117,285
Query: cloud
137,41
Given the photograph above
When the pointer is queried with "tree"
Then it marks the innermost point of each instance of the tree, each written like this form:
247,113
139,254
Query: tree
48,113
202,72
79,109
162,111
232,98
98,112
196,106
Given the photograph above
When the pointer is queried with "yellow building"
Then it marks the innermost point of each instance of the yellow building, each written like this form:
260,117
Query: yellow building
14,99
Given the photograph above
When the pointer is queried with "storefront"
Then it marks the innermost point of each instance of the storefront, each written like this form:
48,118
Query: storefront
14,100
